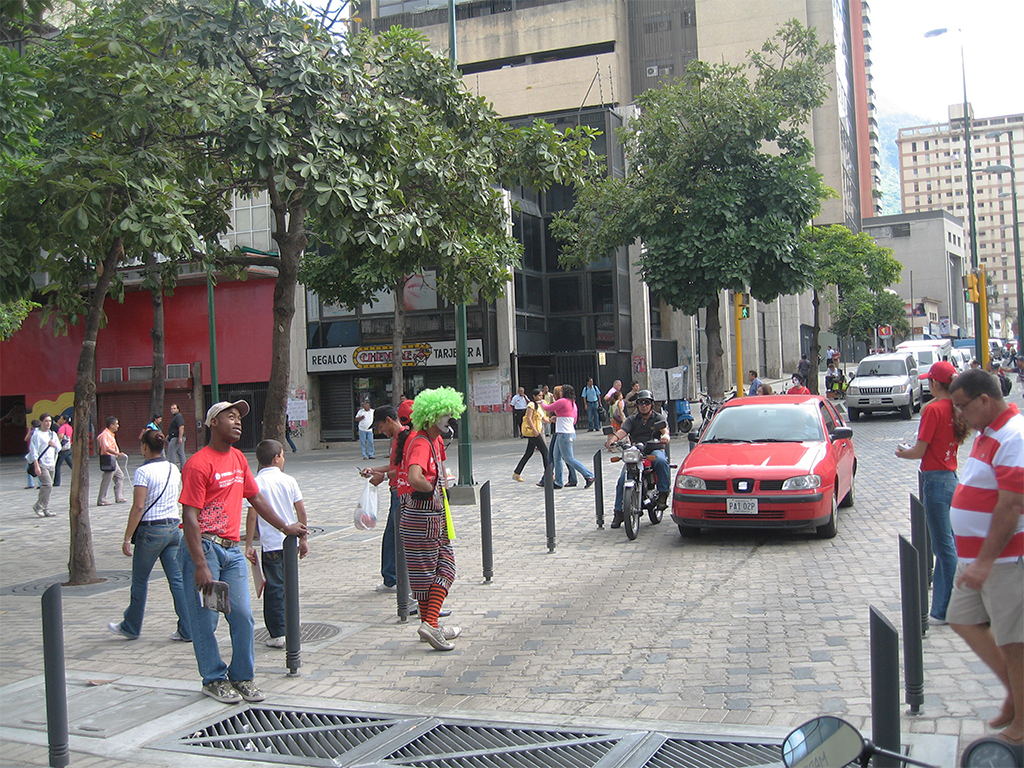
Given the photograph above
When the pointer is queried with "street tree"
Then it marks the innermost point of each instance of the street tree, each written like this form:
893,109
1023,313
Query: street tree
720,183
441,157
861,312
110,177
859,269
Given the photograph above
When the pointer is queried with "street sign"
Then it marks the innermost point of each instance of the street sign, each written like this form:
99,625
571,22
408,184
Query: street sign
884,331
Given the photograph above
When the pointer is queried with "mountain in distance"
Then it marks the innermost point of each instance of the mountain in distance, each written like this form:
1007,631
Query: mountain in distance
889,125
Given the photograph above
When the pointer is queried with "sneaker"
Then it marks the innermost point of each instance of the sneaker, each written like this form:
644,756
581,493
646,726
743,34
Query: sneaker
435,637
178,638
115,629
222,691
247,690
275,642
590,482
570,485
447,632
385,588
937,622
517,477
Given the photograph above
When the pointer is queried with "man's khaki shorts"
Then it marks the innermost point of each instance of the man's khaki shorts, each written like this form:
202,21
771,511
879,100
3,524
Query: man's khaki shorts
999,603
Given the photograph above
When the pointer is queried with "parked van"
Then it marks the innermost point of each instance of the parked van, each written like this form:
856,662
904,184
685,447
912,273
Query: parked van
926,352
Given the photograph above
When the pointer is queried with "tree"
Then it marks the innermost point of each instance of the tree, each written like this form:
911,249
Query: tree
441,155
112,176
860,269
720,183
13,314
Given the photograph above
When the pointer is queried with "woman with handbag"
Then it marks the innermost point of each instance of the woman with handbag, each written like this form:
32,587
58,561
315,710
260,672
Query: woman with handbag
533,430
153,527
109,468
425,525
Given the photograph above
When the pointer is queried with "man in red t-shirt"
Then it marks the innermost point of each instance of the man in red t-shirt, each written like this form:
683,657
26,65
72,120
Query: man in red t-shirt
213,484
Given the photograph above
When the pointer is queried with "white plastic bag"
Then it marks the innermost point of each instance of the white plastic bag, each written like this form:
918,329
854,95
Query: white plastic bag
366,510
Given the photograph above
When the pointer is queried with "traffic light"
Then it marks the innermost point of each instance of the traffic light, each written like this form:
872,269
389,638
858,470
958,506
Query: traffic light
971,288
743,305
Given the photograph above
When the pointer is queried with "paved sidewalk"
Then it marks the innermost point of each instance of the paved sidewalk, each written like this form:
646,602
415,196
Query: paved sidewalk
731,631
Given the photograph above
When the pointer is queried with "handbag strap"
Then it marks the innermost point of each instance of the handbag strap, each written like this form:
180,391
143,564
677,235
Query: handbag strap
437,462
170,470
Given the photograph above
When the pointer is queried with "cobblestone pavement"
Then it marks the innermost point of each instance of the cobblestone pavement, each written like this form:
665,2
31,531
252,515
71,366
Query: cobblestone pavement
732,628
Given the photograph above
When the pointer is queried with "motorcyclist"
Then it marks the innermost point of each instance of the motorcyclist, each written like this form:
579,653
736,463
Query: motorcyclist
650,428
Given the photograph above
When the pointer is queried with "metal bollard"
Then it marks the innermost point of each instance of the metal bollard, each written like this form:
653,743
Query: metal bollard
549,504
292,628
486,536
599,490
929,556
919,538
885,688
913,654
56,681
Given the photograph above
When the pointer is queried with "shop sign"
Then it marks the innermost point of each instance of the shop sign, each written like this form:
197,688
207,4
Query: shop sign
419,354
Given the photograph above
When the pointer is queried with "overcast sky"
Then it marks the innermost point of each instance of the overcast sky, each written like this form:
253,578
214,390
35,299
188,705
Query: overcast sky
923,76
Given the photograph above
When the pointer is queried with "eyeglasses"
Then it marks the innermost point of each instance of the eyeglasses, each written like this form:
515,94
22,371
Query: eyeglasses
960,408
645,402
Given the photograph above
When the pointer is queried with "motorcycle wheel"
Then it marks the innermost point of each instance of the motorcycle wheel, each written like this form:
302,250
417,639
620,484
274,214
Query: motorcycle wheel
631,511
653,512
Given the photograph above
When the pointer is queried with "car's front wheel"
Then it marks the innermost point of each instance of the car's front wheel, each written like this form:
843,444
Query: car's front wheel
849,499
829,529
852,414
906,412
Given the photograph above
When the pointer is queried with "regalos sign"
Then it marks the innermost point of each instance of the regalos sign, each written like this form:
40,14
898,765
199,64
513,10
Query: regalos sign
416,355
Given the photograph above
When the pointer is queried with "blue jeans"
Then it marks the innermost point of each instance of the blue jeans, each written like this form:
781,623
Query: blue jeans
152,542
273,592
938,487
595,421
388,569
366,443
64,457
230,566
661,471
561,450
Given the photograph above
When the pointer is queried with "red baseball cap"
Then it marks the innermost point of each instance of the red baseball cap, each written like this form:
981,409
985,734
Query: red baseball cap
942,372
405,411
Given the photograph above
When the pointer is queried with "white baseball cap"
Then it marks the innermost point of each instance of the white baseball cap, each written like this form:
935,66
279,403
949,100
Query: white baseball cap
218,408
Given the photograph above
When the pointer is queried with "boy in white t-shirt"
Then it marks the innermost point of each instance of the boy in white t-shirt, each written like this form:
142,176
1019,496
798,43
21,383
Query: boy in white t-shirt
283,494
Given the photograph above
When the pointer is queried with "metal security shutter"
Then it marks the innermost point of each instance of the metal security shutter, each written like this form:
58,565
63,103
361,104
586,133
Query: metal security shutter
337,411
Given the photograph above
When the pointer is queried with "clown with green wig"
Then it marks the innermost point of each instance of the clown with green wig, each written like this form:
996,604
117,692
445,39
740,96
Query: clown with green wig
423,528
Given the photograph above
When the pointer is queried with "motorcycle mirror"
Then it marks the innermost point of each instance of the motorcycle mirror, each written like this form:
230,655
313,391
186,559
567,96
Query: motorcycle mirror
822,741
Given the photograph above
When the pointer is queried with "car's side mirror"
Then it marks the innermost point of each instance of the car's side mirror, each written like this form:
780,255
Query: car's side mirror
842,433
693,436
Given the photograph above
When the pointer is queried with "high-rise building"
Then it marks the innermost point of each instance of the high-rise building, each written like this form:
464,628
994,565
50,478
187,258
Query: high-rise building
933,176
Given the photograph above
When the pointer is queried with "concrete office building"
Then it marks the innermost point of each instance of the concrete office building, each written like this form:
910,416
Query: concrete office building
933,178
932,249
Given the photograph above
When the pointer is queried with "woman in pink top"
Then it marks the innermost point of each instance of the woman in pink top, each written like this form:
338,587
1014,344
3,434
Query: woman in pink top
564,411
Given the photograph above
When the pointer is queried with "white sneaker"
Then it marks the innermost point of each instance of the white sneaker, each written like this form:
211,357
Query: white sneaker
447,632
385,588
178,638
435,637
115,629
275,642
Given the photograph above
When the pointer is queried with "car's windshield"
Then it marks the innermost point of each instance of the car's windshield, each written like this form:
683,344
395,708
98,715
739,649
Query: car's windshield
881,368
925,357
766,422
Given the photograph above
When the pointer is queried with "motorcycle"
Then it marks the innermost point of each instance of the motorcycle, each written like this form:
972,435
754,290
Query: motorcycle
684,419
710,405
639,487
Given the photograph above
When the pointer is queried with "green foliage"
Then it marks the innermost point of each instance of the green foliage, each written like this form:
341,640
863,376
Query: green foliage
721,179
847,260
861,312
12,315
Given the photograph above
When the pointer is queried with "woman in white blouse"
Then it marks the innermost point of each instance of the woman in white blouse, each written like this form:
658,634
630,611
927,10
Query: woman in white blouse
154,528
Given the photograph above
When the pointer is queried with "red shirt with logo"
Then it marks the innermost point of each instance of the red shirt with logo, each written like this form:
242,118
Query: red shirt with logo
215,483
417,451
936,429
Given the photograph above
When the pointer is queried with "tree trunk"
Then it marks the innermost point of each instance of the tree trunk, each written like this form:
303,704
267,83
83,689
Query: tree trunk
81,563
713,333
397,342
291,240
156,390
812,379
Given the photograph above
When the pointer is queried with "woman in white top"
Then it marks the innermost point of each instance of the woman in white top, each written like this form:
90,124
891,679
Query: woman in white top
154,528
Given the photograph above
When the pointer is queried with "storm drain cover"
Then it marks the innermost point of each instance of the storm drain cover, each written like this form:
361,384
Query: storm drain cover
308,633
324,738
110,580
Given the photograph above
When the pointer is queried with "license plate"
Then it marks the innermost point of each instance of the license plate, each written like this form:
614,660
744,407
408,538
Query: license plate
741,506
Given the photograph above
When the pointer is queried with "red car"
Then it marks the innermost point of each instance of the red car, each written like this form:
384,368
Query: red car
773,461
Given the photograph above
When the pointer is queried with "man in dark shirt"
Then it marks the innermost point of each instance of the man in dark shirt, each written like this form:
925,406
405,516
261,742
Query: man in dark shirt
176,435
650,428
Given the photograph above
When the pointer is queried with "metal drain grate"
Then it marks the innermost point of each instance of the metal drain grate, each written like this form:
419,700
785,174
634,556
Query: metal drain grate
111,580
319,738
308,633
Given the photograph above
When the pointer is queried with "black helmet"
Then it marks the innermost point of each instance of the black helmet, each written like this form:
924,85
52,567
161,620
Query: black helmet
645,394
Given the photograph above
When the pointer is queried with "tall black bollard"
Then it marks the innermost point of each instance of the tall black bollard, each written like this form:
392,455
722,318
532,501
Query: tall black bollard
885,688
913,654
549,505
929,557
486,537
56,682
919,538
292,628
598,490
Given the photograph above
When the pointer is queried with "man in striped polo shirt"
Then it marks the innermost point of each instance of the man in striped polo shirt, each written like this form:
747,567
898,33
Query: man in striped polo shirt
987,516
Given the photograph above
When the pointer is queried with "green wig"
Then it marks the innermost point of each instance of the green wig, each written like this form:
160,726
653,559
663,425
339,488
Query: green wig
431,404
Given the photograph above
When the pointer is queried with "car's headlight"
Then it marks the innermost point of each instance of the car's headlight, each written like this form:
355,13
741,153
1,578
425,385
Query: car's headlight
802,483
853,390
690,483
631,455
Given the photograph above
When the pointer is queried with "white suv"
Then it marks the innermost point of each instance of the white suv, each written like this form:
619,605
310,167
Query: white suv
885,383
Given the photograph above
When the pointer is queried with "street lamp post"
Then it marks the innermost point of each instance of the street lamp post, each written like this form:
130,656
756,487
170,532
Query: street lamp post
979,351
1012,170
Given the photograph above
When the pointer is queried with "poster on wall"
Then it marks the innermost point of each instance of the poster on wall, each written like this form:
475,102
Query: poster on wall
488,389
420,292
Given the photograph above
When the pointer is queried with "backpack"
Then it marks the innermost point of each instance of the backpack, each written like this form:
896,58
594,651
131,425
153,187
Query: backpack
1005,384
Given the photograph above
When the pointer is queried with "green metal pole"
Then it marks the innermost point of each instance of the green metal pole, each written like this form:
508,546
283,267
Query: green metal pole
980,332
214,386
461,333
